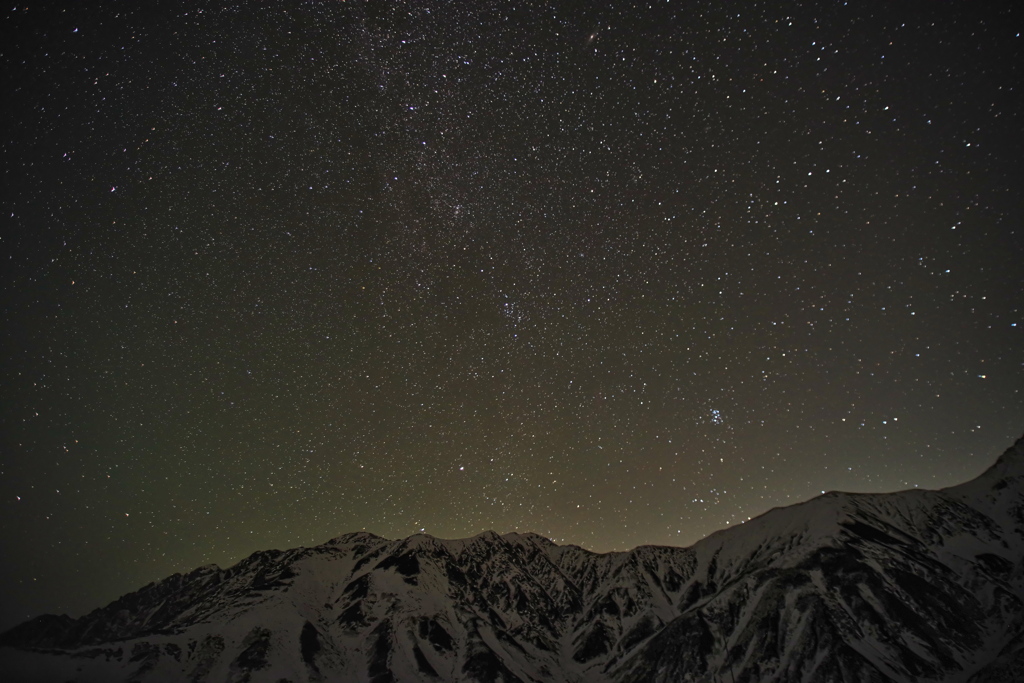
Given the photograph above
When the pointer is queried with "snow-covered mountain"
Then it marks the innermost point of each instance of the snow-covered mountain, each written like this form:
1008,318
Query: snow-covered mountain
910,586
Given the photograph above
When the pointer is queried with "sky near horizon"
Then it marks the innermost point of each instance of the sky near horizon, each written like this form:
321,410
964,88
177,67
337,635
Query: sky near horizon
616,273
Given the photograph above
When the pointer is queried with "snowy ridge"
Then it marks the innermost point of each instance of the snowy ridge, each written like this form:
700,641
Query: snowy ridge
910,586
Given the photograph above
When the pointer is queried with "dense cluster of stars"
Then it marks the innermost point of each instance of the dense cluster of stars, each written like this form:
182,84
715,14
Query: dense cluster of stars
616,273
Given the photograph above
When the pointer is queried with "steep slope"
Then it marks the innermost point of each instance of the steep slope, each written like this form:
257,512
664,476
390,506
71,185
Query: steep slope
910,586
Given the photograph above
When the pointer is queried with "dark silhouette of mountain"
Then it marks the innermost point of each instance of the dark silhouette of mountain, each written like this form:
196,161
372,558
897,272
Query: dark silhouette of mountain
910,586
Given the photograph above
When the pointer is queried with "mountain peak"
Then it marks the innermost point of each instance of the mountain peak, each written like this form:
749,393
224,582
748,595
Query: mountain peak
355,537
528,537
1011,462
999,484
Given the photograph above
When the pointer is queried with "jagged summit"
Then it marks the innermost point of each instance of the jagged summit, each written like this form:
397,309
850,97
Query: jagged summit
354,537
1009,464
910,586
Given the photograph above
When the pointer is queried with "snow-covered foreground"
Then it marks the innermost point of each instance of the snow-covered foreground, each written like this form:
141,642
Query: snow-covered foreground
910,586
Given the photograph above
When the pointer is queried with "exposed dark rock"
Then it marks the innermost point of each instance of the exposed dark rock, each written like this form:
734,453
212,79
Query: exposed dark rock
309,643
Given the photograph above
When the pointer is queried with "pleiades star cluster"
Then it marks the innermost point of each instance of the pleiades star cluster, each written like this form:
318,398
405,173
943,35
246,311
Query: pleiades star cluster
617,273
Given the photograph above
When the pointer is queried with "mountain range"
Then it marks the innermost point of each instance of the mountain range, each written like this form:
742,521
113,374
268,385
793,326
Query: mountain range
915,586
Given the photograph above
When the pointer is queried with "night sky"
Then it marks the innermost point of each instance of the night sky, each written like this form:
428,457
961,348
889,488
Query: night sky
617,273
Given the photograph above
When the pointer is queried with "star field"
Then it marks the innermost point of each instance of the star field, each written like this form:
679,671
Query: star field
616,273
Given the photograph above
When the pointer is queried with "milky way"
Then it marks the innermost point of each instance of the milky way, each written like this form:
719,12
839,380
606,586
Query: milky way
616,273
